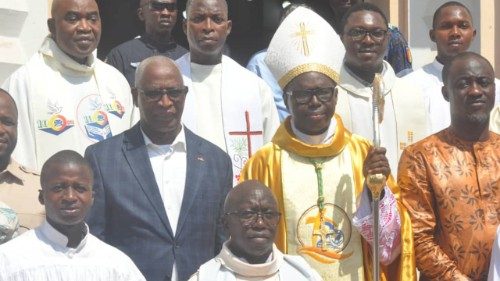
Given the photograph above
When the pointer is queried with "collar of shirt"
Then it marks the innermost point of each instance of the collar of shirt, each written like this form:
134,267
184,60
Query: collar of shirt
56,238
438,67
357,86
179,144
153,44
323,138
12,173
241,267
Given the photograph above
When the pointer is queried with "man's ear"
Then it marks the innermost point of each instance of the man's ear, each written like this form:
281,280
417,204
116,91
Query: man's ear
134,96
52,26
40,197
432,35
140,14
444,91
229,27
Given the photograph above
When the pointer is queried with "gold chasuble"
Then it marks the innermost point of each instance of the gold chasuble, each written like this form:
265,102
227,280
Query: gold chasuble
316,187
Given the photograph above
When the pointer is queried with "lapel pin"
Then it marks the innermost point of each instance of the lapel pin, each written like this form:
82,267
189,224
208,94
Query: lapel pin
200,158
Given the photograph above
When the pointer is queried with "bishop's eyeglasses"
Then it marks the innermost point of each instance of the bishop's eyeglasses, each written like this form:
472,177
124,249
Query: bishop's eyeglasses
305,96
250,218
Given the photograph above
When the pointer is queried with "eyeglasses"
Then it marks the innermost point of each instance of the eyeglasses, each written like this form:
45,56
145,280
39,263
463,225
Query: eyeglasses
160,6
360,33
249,218
305,96
174,94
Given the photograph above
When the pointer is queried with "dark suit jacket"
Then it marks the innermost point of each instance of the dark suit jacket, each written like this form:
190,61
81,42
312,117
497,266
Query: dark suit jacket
128,211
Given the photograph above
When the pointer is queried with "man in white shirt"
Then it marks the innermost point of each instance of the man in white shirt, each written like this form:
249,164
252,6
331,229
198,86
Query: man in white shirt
452,31
405,120
159,187
250,218
62,247
67,98
227,104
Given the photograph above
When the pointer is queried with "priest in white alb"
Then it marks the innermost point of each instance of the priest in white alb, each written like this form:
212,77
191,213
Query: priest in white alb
66,97
316,168
62,248
405,118
453,32
251,218
226,104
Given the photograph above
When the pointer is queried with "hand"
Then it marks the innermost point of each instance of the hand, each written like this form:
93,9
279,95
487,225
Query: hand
376,162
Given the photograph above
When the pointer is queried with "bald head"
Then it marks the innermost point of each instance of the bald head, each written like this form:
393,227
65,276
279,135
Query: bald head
243,191
64,158
459,59
155,62
8,99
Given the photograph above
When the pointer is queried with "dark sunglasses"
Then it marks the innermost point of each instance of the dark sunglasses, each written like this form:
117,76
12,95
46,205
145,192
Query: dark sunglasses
160,6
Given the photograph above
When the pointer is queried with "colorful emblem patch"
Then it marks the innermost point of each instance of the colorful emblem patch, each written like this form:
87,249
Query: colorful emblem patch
97,127
55,125
324,240
93,118
115,108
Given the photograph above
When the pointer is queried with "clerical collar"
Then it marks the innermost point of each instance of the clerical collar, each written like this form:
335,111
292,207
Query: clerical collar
153,44
241,267
323,138
57,238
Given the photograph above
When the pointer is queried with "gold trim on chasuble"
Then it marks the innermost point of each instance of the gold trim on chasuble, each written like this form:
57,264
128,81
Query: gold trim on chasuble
328,242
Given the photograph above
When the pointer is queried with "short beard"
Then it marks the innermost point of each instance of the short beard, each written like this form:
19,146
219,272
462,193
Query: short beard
475,118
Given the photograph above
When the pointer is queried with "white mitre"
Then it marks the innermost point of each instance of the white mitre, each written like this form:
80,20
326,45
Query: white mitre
304,42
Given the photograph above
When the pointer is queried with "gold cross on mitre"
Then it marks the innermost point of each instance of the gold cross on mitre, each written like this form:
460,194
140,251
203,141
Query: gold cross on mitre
303,33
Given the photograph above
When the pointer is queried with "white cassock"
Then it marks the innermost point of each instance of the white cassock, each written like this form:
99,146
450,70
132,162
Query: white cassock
429,79
228,267
63,104
41,254
494,274
405,118
229,106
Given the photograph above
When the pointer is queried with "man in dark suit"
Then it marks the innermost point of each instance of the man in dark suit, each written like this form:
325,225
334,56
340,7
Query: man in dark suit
159,188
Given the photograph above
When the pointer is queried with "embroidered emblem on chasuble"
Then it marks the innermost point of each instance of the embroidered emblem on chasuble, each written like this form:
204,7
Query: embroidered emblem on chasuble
333,246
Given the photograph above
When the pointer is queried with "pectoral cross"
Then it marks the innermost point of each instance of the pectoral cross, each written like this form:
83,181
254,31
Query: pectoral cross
303,33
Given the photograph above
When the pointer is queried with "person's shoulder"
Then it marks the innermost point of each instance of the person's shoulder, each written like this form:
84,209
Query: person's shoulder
422,145
20,244
246,75
203,144
127,46
301,265
25,174
113,143
109,70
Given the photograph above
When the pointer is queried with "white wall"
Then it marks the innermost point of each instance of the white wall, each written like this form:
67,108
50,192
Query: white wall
22,29
420,14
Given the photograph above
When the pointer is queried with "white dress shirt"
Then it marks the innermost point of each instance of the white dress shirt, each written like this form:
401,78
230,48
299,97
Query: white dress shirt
169,162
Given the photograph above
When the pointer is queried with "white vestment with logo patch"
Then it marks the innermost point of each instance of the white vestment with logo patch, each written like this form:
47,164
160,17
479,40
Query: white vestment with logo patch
66,105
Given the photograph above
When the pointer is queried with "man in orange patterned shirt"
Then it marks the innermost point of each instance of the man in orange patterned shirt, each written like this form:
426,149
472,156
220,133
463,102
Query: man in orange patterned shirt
450,180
